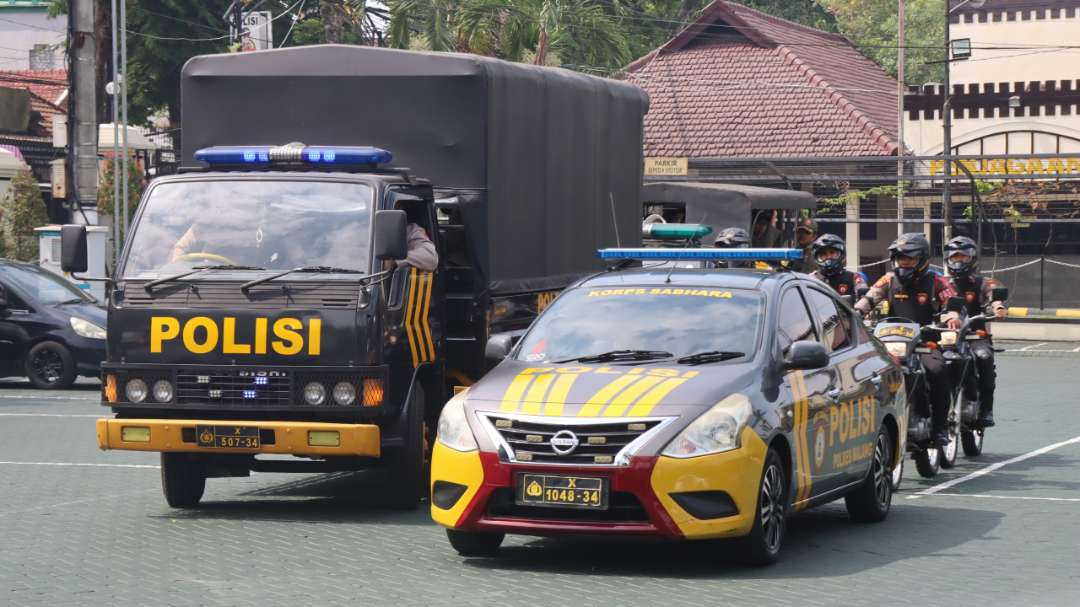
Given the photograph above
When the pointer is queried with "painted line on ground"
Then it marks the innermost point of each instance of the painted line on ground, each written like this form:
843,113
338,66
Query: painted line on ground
1032,346
1009,497
49,415
81,465
95,397
992,467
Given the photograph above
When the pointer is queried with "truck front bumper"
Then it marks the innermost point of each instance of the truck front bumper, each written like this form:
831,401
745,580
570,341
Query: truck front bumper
289,438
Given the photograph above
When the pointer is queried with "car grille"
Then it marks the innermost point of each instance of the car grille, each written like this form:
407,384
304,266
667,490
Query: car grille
234,388
530,439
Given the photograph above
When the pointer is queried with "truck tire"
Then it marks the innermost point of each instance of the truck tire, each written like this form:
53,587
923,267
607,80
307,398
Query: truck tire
870,501
472,543
763,544
404,466
183,479
50,366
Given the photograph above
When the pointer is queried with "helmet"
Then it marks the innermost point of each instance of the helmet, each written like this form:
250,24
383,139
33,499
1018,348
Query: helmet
732,238
831,266
967,246
912,244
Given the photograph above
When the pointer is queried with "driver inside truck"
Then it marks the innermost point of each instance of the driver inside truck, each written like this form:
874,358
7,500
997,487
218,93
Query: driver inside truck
422,254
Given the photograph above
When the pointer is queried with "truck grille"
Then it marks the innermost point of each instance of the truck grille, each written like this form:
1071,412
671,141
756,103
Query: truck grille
530,439
234,388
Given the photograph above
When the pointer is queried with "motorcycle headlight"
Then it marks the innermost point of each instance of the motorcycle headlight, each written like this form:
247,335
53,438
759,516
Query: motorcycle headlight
87,329
715,431
948,338
897,349
454,429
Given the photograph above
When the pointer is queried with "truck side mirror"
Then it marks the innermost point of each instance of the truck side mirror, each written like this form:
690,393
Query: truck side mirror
391,235
806,355
955,304
73,248
999,294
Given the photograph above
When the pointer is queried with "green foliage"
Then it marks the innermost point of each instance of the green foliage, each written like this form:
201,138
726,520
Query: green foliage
108,178
22,210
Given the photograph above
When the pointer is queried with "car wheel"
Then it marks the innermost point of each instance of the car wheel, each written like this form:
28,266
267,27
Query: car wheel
474,543
763,544
973,442
928,462
404,466
49,366
183,479
870,501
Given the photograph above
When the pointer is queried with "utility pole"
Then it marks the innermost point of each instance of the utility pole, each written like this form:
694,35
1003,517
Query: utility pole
82,117
946,116
900,89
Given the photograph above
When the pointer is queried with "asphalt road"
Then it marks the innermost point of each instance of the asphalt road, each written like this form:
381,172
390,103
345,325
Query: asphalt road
81,526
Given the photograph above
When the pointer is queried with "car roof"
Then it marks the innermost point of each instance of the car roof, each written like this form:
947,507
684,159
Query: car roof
762,280
363,177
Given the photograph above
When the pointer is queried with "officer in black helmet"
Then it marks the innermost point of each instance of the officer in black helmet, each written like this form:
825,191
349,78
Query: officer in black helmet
830,254
916,293
733,238
962,259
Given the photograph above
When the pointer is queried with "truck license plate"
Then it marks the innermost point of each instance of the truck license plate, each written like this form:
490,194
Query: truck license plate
559,491
227,437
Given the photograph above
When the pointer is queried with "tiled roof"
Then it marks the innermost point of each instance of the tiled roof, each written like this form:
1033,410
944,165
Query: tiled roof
46,87
739,82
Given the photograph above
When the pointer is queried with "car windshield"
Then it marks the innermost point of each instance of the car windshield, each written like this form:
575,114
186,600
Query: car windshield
272,224
43,286
678,320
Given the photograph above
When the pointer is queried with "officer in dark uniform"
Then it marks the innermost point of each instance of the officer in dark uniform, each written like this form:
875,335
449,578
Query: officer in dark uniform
830,254
962,259
805,235
915,293
733,238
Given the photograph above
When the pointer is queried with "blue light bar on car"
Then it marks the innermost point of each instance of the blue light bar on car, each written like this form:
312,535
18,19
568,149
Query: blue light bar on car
263,155
661,254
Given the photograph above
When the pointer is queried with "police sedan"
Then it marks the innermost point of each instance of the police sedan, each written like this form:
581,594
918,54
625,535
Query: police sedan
677,403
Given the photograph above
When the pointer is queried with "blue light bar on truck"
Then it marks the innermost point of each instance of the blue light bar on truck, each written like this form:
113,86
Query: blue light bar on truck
315,155
661,254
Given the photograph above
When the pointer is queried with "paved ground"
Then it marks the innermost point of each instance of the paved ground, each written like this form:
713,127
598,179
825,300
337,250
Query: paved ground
79,526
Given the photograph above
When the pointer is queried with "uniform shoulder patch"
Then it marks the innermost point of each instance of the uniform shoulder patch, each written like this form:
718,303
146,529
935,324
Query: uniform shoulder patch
884,281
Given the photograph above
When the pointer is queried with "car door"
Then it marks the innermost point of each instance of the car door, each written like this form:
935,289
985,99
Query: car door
808,406
13,315
854,412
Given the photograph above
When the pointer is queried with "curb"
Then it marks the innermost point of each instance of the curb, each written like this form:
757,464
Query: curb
1044,315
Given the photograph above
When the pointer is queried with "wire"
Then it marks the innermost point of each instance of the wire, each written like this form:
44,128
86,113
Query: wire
177,19
36,27
212,39
299,16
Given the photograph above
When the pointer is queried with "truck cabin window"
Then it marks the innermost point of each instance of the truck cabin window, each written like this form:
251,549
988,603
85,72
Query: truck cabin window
271,224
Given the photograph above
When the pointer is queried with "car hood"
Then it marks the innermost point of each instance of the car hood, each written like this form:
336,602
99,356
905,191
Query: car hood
86,311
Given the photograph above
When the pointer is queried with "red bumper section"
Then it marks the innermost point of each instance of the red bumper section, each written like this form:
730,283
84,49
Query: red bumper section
634,507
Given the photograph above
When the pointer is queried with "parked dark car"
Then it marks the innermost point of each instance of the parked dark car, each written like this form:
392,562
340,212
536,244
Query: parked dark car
50,330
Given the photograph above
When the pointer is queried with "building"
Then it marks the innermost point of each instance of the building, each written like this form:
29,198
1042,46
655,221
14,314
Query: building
31,40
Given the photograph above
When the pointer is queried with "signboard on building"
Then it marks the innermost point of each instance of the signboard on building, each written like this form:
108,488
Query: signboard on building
665,167
1028,167
258,31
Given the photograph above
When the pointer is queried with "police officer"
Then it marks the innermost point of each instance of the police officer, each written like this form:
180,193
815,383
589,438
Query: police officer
830,254
805,235
915,293
962,259
733,238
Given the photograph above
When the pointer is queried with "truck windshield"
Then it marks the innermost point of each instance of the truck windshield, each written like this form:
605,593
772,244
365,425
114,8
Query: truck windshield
272,224
681,321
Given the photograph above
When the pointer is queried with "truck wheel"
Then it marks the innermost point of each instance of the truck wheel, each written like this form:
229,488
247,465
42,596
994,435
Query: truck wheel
183,479
49,366
472,543
928,462
870,501
762,546
405,465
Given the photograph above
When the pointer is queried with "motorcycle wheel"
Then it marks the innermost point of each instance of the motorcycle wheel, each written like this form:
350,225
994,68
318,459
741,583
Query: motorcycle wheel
928,462
973,442
952,449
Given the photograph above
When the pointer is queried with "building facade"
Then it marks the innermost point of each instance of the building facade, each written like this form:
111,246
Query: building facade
31,40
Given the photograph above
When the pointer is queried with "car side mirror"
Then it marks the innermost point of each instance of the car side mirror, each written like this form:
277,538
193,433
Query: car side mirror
806,355
391,235
499,346
955,304
999,294
73,248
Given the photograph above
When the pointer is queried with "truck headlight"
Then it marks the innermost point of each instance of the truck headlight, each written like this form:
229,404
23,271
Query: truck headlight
87,329
454,429
715,431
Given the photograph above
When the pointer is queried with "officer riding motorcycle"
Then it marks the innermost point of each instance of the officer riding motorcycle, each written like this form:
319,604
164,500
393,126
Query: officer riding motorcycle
914,292
733,238
962,259
830,253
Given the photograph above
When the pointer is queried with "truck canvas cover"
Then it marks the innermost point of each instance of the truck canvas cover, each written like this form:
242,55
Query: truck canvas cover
545,162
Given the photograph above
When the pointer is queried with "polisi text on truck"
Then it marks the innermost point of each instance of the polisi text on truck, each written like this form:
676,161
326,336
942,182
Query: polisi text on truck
286,336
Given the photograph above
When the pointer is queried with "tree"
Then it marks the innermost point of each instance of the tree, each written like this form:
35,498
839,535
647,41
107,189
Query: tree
105,188
22,210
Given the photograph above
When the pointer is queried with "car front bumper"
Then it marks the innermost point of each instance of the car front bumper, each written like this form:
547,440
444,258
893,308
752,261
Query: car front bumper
711,496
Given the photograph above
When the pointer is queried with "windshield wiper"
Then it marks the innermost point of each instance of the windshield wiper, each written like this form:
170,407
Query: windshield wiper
619,355
317,269
710,356
73,300
160,281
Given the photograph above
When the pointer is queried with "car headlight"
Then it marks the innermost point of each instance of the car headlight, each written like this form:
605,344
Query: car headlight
87,329
897,349
454,429
715,431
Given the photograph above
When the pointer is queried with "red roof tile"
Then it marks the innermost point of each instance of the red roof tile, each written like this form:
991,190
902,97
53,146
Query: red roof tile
762,86
46,88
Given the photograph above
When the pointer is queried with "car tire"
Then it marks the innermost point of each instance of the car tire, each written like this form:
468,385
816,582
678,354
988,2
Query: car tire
928,462
50,366
404,466
762,546
183,479
473,543
871,500
972,441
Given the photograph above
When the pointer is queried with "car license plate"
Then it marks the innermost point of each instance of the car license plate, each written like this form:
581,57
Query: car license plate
559,491
227,437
